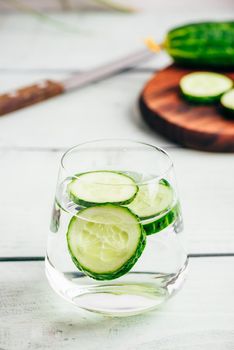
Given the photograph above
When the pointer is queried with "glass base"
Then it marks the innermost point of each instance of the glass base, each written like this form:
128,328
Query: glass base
132,294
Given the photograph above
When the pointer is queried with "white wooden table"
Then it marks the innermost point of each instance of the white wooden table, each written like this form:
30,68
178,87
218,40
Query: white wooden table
32,140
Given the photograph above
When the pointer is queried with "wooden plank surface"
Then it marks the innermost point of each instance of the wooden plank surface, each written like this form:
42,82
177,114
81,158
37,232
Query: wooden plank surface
28,180
200,317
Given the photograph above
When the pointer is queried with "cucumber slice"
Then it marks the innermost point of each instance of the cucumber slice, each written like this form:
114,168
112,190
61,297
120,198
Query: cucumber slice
163,222
105,241
227,102
152,199
204,87
99,187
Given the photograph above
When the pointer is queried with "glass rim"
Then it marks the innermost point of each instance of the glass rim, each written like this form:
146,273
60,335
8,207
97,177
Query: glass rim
132,141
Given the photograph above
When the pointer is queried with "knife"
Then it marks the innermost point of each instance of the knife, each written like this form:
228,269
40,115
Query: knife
46,89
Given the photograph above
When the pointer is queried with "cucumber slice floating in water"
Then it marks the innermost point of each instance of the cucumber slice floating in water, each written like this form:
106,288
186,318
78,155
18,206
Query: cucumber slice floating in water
163,222
204,87
227,102
99,187
152,199
105,241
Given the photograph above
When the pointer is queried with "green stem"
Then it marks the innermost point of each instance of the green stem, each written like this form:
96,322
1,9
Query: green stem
115,6
41,15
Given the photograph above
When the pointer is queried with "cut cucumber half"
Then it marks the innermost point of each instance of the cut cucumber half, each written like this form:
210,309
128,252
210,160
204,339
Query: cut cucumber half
99,187
105,241
204,87
152,199
227,102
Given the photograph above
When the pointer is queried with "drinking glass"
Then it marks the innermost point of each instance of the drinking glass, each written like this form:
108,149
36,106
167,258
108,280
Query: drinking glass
114,246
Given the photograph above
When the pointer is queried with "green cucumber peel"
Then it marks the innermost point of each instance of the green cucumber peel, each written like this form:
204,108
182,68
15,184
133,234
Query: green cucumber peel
163,222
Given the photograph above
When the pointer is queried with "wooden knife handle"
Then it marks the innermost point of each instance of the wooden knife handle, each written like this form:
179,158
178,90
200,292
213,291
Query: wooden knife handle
29,95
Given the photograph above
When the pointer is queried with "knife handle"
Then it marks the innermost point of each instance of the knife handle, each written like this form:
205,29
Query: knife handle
29,95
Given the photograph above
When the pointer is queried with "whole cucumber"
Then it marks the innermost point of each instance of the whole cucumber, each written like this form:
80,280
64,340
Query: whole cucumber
205,44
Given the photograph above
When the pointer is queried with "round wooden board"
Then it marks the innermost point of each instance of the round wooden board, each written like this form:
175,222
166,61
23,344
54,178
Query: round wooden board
193,126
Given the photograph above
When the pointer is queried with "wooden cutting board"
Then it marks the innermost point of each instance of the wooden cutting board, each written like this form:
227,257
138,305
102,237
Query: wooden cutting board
193,126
